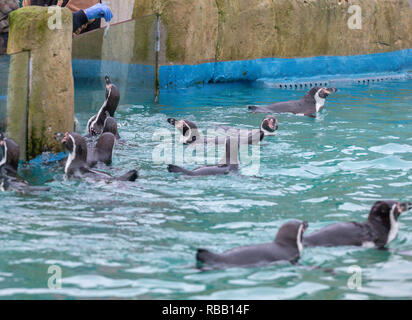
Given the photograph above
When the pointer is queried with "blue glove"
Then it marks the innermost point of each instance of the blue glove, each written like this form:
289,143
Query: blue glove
99,11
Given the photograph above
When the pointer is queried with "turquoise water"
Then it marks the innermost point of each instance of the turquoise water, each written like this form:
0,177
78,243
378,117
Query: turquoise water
139,240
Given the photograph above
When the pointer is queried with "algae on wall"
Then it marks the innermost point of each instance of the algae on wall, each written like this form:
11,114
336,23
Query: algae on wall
49,104
221,30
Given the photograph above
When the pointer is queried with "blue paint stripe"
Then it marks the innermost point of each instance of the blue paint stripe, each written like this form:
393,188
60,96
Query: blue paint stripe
327,67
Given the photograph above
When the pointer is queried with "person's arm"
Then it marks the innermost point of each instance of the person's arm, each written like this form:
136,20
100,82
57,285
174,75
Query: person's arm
97,11
79,19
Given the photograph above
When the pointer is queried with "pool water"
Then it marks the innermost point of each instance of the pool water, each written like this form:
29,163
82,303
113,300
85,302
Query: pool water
139,240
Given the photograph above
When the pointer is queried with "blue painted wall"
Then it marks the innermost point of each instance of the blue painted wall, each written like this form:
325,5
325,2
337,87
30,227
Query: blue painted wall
327,67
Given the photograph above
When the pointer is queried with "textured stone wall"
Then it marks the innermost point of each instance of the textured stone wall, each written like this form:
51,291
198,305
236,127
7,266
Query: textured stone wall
40,61
221,30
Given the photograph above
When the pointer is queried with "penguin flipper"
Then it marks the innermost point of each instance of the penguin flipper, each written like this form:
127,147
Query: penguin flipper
130,176
206,256
38,189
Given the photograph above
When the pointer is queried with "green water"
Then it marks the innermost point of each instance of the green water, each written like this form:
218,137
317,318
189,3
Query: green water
139,240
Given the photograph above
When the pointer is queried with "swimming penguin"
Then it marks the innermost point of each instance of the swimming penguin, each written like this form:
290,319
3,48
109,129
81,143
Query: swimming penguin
268,127
110,125
191,134
9,178
286,247
76,164
378,231
96,123
102,151
310,104
229,163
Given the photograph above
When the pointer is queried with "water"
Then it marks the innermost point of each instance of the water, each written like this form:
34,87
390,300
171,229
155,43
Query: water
139,240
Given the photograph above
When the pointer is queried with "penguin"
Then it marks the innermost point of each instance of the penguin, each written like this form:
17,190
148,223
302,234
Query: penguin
268,127
377,231
229,163
76,164
96,123
98,152
11,156
102,152
286,247
9,178
191,134
110,125
313,102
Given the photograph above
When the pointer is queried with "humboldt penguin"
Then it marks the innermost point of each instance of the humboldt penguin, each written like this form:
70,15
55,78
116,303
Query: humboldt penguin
313,102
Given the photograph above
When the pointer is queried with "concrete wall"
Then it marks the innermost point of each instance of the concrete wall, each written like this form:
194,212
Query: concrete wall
222,30
122,10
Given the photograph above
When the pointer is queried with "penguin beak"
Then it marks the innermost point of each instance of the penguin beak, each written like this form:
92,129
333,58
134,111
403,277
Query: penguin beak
66,137
330,90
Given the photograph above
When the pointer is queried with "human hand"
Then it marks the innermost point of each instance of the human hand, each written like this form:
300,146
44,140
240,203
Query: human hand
99,11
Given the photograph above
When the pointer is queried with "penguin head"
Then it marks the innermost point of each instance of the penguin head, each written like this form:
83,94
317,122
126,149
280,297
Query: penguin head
110,125
269,125
11,154
112,97
76,145
291,234
107,80
387,210
320,92
187,128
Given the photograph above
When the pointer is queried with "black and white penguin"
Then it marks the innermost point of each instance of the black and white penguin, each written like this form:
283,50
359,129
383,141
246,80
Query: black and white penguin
268,127
188,129
96,123
286,247
378,231
313,102
99,151
76,164
9,178
191,135
228,164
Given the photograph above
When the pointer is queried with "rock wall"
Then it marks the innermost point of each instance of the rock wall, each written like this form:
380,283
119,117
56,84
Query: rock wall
41,92
223,30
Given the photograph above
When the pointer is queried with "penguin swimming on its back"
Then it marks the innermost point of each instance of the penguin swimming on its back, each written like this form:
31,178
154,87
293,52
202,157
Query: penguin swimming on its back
311,103
229,163
378,231
76,164
286,247
96,123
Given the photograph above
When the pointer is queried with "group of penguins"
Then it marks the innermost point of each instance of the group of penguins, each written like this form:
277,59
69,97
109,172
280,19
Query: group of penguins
96,147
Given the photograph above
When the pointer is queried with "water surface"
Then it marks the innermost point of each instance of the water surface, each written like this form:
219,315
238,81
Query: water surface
139,240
